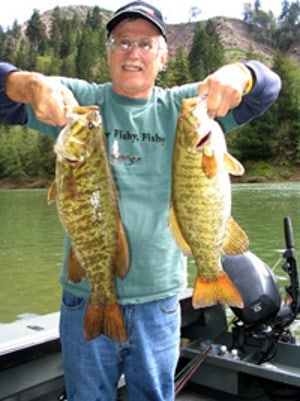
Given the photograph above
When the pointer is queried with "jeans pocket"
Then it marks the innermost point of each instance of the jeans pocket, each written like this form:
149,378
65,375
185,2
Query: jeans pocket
169,305
71,301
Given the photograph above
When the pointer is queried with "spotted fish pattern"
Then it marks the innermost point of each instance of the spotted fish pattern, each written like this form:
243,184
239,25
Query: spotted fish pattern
200,217
87,204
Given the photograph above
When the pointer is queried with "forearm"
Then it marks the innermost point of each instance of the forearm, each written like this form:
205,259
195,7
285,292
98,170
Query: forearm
48,97
23,86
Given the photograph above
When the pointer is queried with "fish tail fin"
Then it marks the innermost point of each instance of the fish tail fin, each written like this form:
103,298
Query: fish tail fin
121,258
104,319
208,293
76,272
236,240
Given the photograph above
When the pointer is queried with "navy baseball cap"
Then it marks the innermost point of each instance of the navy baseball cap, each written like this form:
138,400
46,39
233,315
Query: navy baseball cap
138,9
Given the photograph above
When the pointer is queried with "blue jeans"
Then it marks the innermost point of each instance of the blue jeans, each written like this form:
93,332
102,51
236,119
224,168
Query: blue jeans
148,358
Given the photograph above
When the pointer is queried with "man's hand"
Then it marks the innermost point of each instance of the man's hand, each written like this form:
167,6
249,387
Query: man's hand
224,88
49,98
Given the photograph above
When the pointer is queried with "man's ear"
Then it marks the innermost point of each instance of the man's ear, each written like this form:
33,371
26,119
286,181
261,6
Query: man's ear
164,58
108,57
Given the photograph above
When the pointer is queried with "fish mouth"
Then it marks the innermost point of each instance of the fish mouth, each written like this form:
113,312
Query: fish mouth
70,161
203,140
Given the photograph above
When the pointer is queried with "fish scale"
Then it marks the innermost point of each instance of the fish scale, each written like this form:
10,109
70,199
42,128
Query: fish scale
200,217
87,204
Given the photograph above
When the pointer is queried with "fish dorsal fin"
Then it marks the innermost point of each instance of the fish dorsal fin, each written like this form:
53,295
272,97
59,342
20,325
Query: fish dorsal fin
232,165
236,240
209,165
177,234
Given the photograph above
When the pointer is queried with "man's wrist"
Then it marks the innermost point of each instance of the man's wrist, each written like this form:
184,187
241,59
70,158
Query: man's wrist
249,81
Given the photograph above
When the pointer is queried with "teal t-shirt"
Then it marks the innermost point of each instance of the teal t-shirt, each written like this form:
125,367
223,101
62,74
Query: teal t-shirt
140,135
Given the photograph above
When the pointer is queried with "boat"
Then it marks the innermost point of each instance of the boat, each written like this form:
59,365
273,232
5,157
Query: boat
249,353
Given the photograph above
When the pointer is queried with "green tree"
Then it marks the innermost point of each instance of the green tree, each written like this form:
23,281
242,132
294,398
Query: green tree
2,44
87,60
177,72
287,111
196,57
216,56
36,32
10,159
275,135
94,20
55,35
207,52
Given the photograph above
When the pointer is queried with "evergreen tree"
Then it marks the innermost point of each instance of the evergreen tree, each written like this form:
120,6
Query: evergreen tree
88,54
55,35
21,58
196,57
257,6
207,52
95,20
36,33
287,111
2,44
215,57
177,72
284,10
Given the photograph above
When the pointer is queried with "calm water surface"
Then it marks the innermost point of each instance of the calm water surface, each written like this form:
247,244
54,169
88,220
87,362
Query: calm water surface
31,241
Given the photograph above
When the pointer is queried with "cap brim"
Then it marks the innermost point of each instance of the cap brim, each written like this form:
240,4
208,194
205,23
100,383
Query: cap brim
116,19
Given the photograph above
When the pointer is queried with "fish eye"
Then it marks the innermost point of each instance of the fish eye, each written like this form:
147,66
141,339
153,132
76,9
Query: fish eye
91,125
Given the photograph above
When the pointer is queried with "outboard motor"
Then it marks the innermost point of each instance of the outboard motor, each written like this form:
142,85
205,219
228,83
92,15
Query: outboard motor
263,314
257,286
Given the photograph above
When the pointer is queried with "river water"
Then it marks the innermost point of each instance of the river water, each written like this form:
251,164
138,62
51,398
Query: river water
31,242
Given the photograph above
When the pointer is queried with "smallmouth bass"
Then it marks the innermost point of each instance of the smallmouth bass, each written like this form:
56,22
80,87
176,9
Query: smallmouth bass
200,216
87,205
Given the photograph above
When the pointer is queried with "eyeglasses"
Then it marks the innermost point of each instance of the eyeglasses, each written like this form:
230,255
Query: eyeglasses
147,48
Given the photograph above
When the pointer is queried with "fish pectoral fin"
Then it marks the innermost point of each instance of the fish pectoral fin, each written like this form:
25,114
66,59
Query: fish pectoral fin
52,193
104,319
76,272
236,240
177,233
210,292
232,165
121,258
209,165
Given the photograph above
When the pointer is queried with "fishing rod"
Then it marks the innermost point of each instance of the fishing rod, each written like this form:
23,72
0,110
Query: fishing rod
291,305
290,267
184,375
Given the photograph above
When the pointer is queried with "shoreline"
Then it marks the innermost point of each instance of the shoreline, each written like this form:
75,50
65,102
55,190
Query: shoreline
282,175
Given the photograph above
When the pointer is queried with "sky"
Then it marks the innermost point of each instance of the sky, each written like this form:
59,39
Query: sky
174,11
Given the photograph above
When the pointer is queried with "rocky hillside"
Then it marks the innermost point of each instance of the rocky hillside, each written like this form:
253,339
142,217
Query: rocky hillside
236,38
234,33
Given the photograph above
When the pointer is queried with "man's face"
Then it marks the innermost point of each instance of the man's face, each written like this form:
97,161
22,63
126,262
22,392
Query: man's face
134,71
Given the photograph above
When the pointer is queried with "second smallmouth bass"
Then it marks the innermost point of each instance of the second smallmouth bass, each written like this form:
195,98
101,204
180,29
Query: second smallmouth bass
87,204
200,218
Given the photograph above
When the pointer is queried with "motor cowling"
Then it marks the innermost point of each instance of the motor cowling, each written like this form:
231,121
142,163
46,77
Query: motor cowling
257,286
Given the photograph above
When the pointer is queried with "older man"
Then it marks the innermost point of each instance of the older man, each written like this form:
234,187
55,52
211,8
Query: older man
140,122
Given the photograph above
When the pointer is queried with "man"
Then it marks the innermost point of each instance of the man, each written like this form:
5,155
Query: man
140,123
